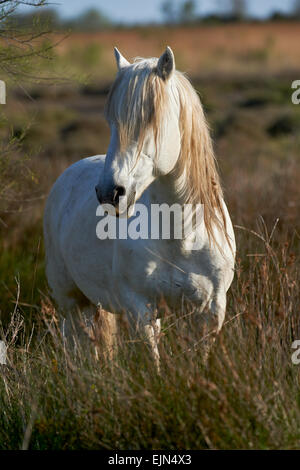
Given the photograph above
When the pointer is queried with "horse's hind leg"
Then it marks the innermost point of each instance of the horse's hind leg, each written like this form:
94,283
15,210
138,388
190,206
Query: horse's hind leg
86,321
105,332
60,281
79,318
75,308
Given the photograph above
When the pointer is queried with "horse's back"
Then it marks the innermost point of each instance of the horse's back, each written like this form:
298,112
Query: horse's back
84,171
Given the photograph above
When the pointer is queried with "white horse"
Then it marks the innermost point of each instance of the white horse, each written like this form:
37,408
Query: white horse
160,152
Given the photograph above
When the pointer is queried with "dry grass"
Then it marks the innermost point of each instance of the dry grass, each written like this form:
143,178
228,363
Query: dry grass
202,50
55,396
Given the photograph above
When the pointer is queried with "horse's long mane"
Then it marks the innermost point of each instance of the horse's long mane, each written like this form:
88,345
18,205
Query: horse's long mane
197,160
138,100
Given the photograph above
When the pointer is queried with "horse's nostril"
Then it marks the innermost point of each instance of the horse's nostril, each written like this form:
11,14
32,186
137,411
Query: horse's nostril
118,192
121,191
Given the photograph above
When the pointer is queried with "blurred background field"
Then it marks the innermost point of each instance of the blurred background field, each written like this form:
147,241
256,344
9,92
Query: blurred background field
243,70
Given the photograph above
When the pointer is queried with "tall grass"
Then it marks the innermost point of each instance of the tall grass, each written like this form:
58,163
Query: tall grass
58,396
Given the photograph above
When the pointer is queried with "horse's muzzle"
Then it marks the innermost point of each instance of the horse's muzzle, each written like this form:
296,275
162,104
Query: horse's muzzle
112,197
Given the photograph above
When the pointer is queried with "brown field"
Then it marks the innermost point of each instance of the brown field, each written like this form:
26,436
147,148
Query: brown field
204,50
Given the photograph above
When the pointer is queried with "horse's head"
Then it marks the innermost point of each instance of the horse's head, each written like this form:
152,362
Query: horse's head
143,112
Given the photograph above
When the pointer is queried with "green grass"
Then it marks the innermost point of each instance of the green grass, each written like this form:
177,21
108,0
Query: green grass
24,279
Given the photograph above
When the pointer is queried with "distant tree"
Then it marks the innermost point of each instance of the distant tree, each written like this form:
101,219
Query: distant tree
187,12
281,16
91,20
168,12
42,16
238,9
296,9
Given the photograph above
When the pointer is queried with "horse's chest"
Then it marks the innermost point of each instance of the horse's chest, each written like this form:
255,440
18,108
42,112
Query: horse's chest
156,276
175,284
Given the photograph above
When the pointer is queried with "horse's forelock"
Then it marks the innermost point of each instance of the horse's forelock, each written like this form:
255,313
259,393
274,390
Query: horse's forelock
136,102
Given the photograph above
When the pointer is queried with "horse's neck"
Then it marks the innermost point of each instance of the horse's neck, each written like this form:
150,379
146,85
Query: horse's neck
165,190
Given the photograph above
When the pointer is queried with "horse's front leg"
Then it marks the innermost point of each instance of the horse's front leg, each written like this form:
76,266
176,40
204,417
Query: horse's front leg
152,334
143,323
211,321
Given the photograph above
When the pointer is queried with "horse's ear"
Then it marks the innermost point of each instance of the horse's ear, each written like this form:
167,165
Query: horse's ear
166,64
121,61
